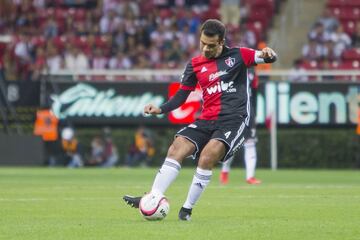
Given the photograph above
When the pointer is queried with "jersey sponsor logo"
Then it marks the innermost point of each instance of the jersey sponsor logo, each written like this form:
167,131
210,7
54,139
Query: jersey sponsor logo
230,61
216,75
221,87
227,134
204,69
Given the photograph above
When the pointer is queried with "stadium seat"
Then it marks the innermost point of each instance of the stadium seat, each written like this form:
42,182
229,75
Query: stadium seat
350,65
336,3
351,54
257,27
353,3
349,27
311,65
345,13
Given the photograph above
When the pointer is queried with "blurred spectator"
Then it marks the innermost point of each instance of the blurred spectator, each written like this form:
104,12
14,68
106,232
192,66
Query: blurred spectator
109,22
120,61
110,25
297,73
53,60
71,149
331,51
98,60
329,22
244,37
39,65
103,151
191,20
23,51
173,55
341,39
107,5
230,12
356,35
245,11
97,156
75,59
142,151
312,50
186,38
155,56
51,28
319,34
110,150
326,65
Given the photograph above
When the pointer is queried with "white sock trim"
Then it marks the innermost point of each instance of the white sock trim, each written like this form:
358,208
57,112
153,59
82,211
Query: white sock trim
204,171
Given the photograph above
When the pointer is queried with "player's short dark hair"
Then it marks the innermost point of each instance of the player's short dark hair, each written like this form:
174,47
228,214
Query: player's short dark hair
213,27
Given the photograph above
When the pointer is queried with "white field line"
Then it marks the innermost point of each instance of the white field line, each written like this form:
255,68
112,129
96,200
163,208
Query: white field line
175,186
247,196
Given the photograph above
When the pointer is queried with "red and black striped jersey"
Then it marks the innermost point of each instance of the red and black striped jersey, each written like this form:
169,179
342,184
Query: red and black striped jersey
224,82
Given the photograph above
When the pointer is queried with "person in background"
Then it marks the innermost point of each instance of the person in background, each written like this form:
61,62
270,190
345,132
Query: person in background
142,151
298,72
250,156
110,151
103,151
97,152
71,150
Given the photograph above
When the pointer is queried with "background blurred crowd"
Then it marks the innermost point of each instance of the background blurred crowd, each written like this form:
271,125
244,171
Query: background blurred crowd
118,34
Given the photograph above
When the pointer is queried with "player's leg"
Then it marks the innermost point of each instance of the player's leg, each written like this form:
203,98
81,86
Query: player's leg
213,152
179,149
250,158
225,170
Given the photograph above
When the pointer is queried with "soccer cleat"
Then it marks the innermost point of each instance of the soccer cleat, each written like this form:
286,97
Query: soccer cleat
185,214
224,178
253,180
132,201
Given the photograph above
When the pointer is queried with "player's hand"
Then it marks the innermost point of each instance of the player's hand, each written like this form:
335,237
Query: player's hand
267,53
151,109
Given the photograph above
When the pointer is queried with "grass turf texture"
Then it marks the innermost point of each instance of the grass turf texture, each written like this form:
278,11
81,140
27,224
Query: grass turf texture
86,204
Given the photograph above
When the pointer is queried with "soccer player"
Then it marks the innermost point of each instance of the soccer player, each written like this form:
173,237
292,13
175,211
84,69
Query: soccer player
250,156
223,125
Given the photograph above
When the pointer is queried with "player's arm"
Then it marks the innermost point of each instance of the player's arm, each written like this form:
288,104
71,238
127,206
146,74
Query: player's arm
188,84
175,102
266,55
252,57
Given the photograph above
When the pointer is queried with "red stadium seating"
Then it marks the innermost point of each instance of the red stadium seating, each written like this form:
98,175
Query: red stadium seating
346,13
349,27
351,54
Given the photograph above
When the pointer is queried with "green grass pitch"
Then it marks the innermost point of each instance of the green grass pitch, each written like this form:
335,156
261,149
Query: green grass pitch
43,203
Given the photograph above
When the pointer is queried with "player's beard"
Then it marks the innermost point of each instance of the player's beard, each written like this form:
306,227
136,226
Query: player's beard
209,54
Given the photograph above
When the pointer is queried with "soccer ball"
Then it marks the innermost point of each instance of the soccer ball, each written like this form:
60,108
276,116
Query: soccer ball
154,206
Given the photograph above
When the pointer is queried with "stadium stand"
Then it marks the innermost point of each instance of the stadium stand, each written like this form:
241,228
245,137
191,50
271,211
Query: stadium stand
334,38
111,34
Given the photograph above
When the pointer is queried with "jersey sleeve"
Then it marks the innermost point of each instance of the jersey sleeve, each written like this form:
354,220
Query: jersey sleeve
248,56
188,78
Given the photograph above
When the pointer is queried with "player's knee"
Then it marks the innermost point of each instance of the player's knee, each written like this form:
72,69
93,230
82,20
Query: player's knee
180,149
172,151
206,161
